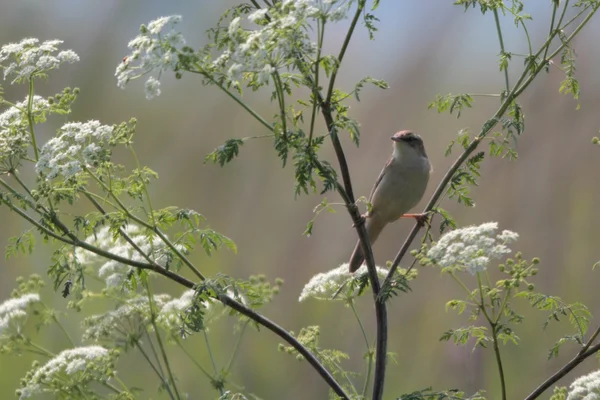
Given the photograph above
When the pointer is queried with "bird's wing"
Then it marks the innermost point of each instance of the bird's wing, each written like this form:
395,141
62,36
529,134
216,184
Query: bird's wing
380,177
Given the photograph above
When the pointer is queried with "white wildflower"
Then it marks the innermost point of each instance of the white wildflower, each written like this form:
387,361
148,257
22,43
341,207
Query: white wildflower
471,248
155,27
74,368
155,48
586,387
116,325
258,15
115,273
77,145
170,316
13,314
265,73
152,88
29,58
324,285
14,131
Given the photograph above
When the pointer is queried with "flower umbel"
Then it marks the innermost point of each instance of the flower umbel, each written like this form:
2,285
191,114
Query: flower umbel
30,58
471,248
13,313
78,145
114,272
324,286
586,387
14,131
70,371
155,48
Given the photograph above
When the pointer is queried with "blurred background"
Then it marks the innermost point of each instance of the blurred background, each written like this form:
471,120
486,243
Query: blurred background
549,195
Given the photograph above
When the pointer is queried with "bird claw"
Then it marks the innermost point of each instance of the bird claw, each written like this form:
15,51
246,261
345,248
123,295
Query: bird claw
422,219
361,221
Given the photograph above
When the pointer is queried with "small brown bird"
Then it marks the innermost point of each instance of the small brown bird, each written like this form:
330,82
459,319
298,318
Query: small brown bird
399,187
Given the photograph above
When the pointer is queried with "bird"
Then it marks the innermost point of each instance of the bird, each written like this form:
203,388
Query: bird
399,187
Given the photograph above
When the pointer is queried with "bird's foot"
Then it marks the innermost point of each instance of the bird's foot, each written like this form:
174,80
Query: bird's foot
422,219
361,221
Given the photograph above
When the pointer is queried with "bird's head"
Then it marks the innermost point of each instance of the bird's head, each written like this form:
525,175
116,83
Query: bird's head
408,141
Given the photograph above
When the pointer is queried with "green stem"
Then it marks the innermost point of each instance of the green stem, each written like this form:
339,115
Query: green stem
212,360
359,9
315,91
30,118
145,187
62,328
156,371
369,351
233,96
501,40
42,350
281,100
165,358
236,346
501,310
210,354
460,283
499,360
494,327
205,372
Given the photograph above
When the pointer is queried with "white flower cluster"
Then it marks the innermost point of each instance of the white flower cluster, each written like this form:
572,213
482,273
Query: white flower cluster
326,284
30,57
114,272
586,387
14,131
264,50
77,145
156,47
13,314
170,315
472,248
281,37
79,366
116,324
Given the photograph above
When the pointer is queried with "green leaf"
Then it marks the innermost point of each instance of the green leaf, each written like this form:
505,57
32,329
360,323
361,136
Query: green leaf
225,153
20,244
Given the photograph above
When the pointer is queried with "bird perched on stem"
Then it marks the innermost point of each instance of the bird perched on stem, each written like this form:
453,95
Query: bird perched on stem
399,187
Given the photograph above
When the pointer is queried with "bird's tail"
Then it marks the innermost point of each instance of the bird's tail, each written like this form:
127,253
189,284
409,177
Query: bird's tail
374,227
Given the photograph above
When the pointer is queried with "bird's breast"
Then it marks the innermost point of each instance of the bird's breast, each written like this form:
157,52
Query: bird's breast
400,189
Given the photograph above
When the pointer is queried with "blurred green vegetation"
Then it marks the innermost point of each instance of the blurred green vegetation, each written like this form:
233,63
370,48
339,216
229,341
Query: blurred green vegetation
549,195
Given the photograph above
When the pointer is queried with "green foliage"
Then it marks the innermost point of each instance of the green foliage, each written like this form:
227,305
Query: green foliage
451,394
578,316
398,283
331,358
570,85
324,205
484,5
447,220
225,153
20,244
464,177
451,103
559,393
464,335
377,82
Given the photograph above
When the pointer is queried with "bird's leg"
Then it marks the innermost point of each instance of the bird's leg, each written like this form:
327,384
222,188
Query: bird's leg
362,220
421,219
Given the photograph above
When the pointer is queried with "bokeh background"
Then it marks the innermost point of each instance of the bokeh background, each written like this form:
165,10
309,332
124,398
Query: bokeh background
549,195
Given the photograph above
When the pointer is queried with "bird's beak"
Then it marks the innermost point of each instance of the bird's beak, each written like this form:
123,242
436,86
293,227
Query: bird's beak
395,138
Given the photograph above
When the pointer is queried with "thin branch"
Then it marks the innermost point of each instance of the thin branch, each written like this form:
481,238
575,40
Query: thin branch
578,359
